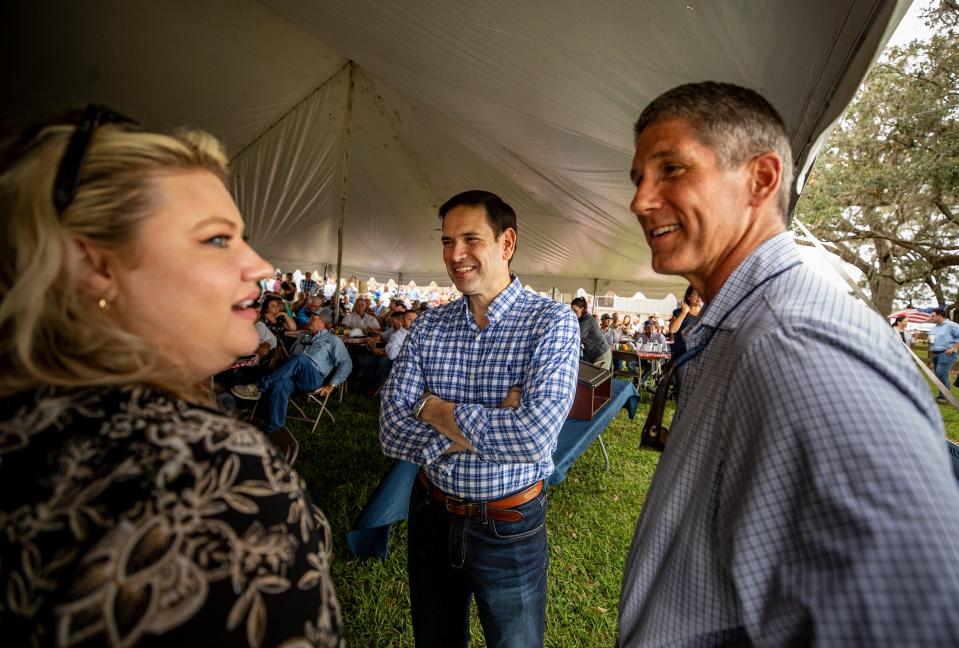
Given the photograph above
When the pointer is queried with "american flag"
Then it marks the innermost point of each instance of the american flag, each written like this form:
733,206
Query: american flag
914,315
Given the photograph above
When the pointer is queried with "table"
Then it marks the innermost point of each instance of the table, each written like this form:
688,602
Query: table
389,504
355,341
655,364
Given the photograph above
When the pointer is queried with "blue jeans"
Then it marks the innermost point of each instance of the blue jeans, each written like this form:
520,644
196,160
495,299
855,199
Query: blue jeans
452,558
942,362
298,372
375,369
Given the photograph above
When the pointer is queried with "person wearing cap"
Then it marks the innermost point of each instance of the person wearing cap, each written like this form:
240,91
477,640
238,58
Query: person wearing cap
612,337
805,494
610,334
477,397
595,348
943,344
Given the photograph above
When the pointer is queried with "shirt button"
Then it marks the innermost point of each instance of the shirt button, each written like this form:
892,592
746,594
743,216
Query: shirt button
472,376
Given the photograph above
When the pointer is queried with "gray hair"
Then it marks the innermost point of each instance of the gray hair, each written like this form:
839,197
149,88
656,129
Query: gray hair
735,122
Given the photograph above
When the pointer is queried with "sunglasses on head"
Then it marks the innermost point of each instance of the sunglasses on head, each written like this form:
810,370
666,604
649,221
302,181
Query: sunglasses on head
68,173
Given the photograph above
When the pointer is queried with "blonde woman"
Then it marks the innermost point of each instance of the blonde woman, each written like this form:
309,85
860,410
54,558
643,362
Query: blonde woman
131,510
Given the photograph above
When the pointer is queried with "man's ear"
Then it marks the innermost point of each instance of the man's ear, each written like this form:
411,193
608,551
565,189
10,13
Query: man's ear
96,270
509,243
765,174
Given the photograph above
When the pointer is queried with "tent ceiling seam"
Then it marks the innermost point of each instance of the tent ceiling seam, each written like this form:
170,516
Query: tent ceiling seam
806,140
276,122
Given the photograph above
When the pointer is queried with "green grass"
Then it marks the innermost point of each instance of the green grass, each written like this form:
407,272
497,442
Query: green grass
590,522
950,416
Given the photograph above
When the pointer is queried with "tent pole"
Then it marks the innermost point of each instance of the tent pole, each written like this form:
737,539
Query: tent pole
346,159
595,288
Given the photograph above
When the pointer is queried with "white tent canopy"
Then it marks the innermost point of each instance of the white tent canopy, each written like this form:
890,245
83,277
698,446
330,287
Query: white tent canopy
532,100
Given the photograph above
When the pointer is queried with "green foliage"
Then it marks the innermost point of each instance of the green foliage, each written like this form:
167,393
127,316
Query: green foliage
885,188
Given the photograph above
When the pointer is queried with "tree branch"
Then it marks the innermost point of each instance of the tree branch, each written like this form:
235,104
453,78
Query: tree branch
947,212
852,258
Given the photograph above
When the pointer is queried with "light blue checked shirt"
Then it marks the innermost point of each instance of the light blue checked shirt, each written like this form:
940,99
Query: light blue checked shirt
942,336
328,353
805,496
530,341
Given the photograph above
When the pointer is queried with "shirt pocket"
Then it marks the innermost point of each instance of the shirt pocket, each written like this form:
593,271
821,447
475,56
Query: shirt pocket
498,375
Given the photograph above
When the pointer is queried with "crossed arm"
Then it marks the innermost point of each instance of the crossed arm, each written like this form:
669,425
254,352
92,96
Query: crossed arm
522,428
440,414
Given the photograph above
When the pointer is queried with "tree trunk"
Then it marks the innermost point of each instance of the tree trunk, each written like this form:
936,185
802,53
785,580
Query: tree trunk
882,285
933,282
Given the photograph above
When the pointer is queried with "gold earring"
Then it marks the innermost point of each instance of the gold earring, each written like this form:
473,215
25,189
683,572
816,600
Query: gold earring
103,303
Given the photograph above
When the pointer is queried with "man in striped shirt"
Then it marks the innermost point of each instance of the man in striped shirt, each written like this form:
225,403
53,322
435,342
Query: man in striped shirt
477,397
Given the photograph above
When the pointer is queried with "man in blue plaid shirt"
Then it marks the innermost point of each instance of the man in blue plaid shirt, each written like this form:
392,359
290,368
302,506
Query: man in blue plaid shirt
477,397
307,286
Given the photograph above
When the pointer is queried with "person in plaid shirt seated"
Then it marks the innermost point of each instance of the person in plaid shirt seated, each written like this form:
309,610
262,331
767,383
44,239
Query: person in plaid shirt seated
477,397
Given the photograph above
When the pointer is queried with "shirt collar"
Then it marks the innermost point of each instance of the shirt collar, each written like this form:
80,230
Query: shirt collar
501,305
318,335
771,256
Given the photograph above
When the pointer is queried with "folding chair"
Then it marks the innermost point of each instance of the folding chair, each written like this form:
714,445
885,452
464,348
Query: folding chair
314,397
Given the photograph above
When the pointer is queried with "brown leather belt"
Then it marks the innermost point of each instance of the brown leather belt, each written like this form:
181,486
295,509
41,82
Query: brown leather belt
495,509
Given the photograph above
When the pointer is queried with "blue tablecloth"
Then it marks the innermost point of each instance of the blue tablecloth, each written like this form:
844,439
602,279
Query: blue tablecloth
953,449
390,503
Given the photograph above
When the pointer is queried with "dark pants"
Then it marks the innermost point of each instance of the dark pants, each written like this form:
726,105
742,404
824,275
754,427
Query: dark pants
452,558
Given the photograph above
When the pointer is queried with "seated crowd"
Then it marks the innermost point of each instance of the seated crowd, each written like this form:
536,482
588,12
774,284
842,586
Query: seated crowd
301,349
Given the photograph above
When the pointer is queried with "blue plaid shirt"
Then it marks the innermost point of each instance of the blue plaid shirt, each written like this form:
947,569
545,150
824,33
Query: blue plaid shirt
309,287
530,341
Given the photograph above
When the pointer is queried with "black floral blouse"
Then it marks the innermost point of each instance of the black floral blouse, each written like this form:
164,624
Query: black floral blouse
277,327
130,516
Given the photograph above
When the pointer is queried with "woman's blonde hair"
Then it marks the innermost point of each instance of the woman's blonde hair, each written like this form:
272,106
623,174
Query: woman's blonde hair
53,333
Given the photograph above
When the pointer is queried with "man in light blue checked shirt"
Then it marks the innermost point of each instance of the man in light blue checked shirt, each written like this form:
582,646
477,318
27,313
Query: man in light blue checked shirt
477,397
943,344
805,495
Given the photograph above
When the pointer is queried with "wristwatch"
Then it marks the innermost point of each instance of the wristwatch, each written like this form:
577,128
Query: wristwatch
420,404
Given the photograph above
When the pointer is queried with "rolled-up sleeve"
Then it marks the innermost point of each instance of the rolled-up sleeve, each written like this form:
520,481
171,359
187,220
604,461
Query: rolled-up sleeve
401,435
528,434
